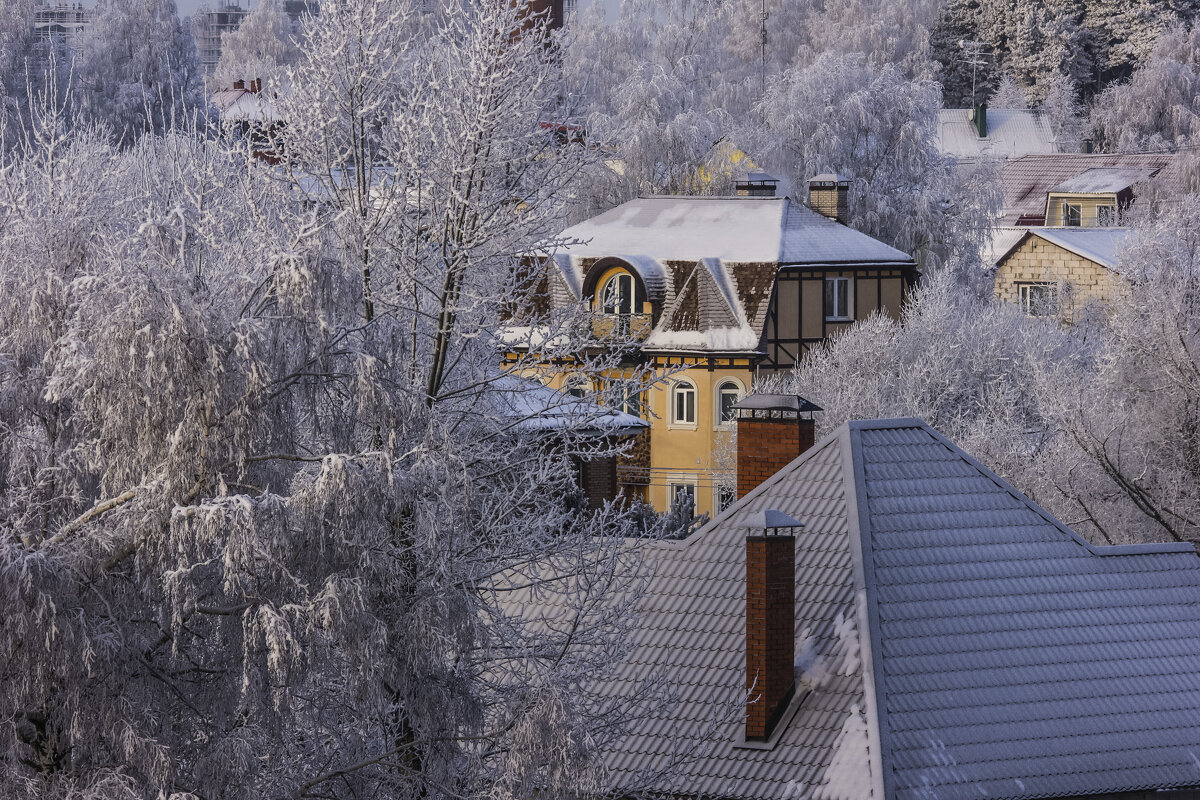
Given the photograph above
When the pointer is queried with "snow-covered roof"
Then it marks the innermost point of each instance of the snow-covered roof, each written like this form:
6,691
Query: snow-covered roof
958,642
535,407
243,105
1101,245
1001,241
731,229
1010,132
1104,180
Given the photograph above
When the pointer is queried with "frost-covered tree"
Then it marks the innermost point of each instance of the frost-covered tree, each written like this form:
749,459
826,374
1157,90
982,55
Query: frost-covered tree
654,90
1157,108
1094,42
137,69
1060,103
877,129
264,487
262,47
1009,94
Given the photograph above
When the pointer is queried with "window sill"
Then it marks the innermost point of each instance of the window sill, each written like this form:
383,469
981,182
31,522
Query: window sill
682,426
839,319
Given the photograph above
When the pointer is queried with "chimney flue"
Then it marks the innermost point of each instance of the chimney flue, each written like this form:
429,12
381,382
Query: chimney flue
772,430
770,620
829,195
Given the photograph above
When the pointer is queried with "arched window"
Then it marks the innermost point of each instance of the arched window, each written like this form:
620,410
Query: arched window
683,403
728,393
616,297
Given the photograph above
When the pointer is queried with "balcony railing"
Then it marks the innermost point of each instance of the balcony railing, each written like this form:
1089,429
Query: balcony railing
621,326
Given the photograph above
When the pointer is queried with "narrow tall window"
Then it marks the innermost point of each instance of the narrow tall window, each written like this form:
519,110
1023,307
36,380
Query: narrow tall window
685,494
837,299
726,496
617,295
683,403
1072,215
728,393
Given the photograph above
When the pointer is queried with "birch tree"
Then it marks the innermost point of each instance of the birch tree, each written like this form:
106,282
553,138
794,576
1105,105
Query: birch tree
262,507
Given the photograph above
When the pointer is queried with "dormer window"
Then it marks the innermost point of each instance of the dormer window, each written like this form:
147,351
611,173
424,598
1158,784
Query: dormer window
617,295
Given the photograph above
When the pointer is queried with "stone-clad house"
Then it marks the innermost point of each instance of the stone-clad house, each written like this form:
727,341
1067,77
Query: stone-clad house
887,619
1060,270
717,291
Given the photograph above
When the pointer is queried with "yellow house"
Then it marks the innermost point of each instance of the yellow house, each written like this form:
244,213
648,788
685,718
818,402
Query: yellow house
717,291
1060,270
1095,198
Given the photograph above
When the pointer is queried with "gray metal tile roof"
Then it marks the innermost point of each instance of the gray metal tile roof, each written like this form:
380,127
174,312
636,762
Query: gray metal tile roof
969,645
693,630
1027,180
1012,659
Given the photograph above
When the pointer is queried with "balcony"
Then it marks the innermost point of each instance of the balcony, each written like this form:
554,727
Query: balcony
621,326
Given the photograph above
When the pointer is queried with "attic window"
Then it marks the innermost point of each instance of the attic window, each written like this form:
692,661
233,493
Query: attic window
617,295
1072,214
1106,216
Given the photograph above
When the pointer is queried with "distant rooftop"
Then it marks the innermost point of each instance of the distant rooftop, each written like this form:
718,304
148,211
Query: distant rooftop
1010,132
1027,180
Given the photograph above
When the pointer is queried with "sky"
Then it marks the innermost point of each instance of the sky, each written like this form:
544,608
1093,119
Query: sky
189,6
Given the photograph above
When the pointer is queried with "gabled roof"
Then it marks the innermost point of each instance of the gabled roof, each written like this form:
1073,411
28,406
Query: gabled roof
1027,180
957,642
1101,245
1011,132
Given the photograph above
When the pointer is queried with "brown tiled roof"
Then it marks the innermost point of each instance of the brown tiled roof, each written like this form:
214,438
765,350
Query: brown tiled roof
1027,180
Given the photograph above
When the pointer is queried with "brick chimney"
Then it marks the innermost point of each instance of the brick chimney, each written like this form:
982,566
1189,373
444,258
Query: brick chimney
770,620
255,86
772,430
829,195
239,84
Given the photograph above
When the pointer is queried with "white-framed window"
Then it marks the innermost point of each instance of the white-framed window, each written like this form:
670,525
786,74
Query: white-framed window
682,491
616,297
837,299
729,391
723,497
1106,216
1072,214
683,403
1038,299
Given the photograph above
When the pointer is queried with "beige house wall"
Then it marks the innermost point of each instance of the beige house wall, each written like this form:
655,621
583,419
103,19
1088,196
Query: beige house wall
1089,208
1081,282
